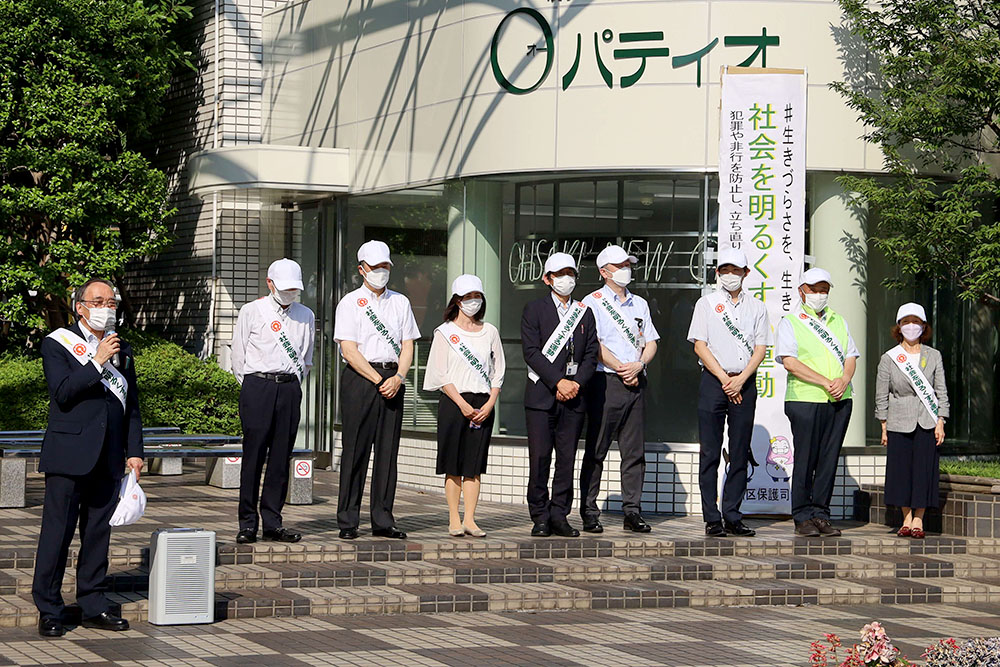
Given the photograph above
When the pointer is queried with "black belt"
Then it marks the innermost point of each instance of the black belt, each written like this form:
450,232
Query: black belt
387,365
276,377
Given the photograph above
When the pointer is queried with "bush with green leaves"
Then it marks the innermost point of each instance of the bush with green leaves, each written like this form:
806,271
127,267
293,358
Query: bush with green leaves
175,389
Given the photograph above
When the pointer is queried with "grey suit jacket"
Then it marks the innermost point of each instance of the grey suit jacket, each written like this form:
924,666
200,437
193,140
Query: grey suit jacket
896,402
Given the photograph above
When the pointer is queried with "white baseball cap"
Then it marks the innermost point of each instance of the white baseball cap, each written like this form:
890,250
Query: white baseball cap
374,252
614,254
732,256
285,274
466,283
558,261
816,275
911,309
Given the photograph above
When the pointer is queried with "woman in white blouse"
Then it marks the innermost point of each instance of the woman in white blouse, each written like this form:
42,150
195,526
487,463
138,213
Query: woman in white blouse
466,363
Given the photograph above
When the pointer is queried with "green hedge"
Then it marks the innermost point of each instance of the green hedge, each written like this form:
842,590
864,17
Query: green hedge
175,389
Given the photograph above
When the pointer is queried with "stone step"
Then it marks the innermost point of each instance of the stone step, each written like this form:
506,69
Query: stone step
349,574
374,550
18,610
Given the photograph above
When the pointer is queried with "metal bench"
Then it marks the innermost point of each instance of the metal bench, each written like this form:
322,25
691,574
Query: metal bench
147,430
224,455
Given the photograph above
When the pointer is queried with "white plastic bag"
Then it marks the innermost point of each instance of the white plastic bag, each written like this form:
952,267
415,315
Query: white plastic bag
131,503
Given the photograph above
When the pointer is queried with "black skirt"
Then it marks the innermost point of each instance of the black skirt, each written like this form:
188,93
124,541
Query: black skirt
462,450
912,471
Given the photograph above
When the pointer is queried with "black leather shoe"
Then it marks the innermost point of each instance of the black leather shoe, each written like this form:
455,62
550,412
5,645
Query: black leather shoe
740,529
348,533
593,527
563,529
282,535
715,529
541,529
51,627
806,529
635,523
825,528
246,536
106,621
391,531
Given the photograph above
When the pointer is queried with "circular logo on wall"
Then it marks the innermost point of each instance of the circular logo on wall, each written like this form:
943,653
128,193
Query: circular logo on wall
720,307
901,358
362,302
454,339
597,295
276,326
80,349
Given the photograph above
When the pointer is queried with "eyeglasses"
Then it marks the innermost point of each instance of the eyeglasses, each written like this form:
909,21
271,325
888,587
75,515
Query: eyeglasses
101,303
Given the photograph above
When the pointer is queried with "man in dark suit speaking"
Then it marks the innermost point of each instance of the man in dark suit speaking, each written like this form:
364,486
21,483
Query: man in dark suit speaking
560,345
94,426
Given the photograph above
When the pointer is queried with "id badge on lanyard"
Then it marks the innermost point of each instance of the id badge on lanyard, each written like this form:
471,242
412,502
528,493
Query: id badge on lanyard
642,336
571,365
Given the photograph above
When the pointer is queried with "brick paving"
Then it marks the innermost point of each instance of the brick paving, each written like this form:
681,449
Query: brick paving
734,637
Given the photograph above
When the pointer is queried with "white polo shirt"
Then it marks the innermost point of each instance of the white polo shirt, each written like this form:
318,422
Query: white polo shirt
748,314
393,311
635,311
255,348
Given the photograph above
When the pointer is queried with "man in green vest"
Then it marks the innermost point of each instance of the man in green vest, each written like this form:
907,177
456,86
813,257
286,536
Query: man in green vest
816,348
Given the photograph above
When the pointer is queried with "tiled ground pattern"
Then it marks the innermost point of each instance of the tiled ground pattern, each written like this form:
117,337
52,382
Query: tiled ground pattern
734,637
674,566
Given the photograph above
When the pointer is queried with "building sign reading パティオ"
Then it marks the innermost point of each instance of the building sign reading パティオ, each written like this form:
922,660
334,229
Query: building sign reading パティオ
638,47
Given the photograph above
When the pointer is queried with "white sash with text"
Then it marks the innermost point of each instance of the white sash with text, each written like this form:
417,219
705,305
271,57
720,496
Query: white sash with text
455,339
281,337
561,334
620,324
925,392
732,328
83,352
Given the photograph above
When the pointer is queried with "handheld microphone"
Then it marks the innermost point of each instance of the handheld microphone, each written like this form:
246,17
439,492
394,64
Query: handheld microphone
109,328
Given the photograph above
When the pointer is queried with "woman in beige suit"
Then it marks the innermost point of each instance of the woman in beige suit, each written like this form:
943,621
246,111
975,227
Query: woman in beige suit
911,401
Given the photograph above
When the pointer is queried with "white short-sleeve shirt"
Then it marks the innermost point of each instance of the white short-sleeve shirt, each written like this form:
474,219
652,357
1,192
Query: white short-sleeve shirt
748,314
393,310
255,349
635,310
446,366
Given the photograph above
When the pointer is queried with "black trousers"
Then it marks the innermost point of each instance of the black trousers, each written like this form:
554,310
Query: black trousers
269,413
89,500
912,469
370,421
818,431
614,412
714,408
558,429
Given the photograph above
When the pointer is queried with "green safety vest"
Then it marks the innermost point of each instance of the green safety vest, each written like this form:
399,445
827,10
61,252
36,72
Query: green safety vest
817,356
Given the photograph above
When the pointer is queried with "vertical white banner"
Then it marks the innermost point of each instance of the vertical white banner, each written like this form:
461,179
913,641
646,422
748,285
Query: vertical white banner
762,170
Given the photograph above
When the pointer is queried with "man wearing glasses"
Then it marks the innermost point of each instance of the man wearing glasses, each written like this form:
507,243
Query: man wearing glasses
94,432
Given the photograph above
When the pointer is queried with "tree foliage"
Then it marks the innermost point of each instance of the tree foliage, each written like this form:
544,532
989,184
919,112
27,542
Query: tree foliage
931,100
81,84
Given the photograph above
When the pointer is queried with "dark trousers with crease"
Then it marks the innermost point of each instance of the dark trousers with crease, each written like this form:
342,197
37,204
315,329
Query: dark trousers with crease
614,412
818,431
556,429
89,500
370,423
714,409
269,412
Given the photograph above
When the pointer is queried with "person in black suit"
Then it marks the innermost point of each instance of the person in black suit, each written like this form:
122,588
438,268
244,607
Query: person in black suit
559,339
94,432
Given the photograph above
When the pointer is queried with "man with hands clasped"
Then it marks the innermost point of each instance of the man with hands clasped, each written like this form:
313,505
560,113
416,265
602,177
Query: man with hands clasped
375,329
616,399
816,348
730,332
559,339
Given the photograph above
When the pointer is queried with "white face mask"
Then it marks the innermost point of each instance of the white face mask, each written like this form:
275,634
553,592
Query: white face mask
817,301
912,332
377,278
731,281
622,277
563,285
285,297
471,306
100,317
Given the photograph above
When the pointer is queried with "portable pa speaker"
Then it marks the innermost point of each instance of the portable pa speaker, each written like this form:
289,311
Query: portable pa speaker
182,576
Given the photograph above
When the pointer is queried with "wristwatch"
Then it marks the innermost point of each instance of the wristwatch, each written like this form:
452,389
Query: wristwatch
401,378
